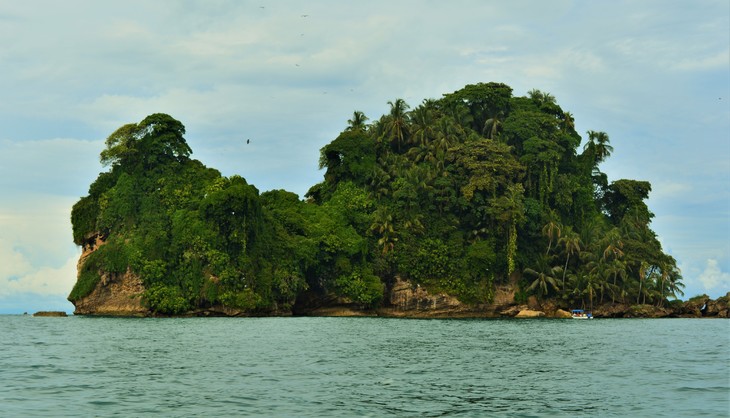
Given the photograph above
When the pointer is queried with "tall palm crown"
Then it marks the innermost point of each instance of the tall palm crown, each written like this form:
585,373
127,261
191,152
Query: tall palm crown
357,122
599,144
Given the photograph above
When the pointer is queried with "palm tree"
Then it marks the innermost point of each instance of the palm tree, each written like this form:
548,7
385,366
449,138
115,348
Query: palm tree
595,276
448,133
460,114
541,97
592,285
395,164
616,268
642,275
515,212
416,180
420,153
591,230
383,226
599,144
669,275
673,284
380,183
571,244
423,123
357,122
397,125
551,230
544,276
568,123
492,124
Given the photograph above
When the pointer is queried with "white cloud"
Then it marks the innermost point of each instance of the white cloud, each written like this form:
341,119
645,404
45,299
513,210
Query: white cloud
24,269
38,226
713,278
12,263
44,281
716,61
669,190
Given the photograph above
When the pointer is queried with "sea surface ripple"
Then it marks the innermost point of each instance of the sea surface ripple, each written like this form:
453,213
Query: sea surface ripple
362,367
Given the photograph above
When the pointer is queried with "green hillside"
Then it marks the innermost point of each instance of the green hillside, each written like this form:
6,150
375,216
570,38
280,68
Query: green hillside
458,194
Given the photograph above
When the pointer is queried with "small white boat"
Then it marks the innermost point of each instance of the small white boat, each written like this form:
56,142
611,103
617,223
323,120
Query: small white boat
580,314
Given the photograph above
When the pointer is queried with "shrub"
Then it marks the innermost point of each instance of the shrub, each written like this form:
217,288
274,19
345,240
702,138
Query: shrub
165,299
89,277
362,286
246,300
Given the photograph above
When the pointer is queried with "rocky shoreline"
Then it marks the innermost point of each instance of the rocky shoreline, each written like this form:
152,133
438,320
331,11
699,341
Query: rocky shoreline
120,295
420,304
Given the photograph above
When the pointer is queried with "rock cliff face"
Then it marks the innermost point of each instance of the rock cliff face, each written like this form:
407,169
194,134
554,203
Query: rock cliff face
719,308
115,294
405,299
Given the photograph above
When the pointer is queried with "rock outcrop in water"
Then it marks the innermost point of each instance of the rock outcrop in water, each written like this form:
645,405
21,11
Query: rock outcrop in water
50,313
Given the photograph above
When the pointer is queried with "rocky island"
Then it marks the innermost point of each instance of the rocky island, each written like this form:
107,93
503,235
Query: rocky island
477,204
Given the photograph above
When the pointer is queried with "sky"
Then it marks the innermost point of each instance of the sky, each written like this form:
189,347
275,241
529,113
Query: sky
287,75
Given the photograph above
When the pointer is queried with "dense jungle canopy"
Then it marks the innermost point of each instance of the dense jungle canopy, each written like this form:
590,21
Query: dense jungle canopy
458,194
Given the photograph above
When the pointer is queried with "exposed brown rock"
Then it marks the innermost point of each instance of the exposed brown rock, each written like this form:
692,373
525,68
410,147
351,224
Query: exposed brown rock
533,303
404,296
719,308
116,294
512,311
529,313
504,295
559,313
647,311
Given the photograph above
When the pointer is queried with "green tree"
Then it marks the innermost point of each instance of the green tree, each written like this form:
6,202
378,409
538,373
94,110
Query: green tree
350,157
598,147
396,125
544,277
423,124
157,139
571,243
624,196
357,123
551,230
487,103
383,227
236,213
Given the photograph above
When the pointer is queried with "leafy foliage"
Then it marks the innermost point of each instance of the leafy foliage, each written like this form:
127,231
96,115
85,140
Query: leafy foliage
458,194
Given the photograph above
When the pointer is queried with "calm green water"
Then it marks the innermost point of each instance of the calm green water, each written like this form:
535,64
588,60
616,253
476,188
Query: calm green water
298,367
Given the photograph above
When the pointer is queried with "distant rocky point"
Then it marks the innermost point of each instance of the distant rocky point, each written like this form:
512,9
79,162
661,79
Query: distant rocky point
50,313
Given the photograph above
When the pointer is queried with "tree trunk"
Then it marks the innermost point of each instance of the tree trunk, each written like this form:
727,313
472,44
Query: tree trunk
565,269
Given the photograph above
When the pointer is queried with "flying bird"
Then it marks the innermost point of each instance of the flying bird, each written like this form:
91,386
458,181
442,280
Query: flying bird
305,15
248,141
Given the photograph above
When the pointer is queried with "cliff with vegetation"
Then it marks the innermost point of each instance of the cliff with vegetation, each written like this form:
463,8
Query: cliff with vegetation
461,206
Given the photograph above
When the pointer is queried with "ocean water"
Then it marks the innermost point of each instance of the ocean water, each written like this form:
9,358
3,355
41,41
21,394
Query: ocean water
362,367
